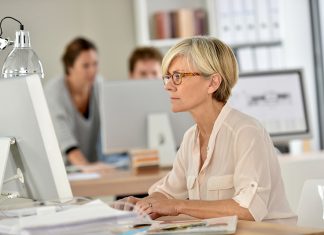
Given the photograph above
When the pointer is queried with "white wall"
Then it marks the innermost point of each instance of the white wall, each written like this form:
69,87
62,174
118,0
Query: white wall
297,40
52,24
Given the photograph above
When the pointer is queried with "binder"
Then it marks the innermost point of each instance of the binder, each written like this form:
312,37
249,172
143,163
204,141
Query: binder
246,59
239,22
277,60
225,20
162,25
249,15
262,55
185,21
263,20
274,20
200,23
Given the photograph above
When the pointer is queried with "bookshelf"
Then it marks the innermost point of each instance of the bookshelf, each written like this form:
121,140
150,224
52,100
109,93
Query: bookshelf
252,28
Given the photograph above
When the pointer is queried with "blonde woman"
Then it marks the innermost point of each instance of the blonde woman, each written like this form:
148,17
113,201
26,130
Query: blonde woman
226,164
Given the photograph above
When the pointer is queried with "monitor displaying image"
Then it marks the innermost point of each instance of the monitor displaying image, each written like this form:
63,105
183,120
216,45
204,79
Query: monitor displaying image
277,100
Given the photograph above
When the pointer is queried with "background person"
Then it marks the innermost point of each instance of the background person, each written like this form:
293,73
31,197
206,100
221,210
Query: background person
145,63
73,104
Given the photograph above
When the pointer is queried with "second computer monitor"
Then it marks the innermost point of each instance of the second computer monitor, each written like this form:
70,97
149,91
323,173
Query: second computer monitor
125,106
277,99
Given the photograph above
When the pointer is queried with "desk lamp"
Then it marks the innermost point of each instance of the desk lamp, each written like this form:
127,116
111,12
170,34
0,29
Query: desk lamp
22,60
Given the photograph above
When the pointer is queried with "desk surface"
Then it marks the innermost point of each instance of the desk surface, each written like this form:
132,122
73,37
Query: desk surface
117,183
260,228
264,228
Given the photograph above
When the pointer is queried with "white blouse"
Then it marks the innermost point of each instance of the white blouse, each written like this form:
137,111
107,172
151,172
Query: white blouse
241,164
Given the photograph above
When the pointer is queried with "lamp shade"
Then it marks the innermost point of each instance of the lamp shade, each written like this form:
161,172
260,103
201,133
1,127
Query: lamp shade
22,60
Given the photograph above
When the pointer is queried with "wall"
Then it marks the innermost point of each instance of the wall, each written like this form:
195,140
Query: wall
297,39
52,24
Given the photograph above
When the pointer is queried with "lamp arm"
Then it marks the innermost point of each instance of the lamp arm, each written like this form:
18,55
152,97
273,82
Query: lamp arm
4,42
9,17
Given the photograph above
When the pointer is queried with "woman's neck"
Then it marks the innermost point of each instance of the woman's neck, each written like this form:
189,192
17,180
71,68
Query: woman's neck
76,88
205,117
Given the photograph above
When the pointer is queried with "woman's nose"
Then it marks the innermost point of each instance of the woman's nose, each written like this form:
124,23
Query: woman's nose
170,86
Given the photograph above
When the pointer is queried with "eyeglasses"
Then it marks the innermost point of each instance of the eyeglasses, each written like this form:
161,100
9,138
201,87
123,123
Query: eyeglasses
177,77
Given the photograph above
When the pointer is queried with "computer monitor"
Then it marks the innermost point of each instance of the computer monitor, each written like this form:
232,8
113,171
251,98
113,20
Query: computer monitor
25,116
277,99
124,109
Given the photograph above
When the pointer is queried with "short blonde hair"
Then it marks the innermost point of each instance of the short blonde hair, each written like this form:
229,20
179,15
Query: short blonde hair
209,55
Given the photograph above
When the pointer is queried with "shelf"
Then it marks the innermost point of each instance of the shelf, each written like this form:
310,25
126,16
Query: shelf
256,44
160,43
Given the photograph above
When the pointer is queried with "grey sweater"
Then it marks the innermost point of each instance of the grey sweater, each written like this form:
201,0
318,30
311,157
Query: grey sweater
71,127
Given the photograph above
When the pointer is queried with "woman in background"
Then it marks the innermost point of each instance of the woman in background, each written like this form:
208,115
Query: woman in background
73,104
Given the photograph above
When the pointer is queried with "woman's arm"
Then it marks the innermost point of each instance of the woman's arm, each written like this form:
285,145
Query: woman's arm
161,206
76,157
211,209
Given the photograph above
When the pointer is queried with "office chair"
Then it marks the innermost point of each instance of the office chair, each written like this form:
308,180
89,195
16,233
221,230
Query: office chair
311,204
296,170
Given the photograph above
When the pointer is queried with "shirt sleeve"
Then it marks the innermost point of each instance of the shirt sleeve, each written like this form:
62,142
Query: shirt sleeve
173,184
252,178
63,124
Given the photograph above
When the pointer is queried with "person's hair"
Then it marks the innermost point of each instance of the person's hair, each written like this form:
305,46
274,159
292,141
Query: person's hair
143,53
73,50
210,56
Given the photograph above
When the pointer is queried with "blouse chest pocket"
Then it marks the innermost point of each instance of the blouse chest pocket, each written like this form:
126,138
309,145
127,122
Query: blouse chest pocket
220,187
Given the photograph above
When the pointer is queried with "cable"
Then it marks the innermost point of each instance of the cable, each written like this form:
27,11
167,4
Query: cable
9,17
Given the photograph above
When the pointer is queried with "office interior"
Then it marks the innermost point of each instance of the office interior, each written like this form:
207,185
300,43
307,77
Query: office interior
116,27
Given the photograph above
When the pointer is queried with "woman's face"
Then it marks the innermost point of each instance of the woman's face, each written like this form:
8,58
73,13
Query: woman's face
85,67
193,90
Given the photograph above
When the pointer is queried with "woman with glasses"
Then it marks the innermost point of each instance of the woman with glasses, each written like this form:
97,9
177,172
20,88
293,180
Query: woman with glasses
226,164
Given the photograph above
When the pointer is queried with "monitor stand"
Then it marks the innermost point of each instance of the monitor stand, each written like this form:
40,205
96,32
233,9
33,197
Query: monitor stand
5,143
160,137
282,147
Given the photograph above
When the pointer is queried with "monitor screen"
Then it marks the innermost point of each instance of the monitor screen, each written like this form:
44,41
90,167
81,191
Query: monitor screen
277,100
125,106
25,116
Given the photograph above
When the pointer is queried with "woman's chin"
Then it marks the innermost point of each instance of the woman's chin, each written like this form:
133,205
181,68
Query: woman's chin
176,109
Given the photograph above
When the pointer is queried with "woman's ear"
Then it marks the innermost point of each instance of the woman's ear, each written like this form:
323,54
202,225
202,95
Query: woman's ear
215,82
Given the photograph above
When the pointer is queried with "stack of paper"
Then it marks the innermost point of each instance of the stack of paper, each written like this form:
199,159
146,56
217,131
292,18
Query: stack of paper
93,218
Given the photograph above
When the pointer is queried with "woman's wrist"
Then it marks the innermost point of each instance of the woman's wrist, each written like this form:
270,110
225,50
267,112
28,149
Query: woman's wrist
179,206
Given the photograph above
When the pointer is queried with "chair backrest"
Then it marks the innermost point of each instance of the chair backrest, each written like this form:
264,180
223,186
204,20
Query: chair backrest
311,205
295,170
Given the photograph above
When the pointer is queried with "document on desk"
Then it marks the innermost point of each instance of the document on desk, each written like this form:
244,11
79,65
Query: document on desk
83,176
222,225
92,217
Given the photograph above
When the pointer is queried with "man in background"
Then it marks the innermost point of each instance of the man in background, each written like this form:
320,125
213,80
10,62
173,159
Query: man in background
145,63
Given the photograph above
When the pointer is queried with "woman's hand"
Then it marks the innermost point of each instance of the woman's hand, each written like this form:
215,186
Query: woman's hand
98,167
156,206
126,204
